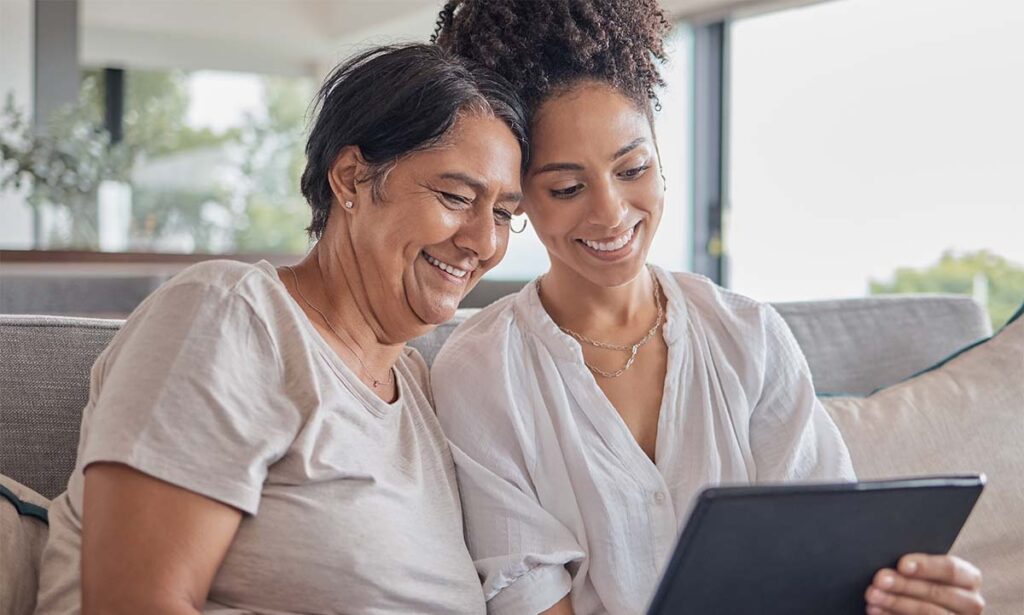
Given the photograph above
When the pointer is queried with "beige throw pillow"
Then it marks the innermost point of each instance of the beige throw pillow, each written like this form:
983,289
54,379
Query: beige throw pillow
22,537
963,416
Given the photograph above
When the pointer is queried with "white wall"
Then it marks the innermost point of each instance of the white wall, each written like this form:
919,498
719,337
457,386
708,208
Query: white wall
16,64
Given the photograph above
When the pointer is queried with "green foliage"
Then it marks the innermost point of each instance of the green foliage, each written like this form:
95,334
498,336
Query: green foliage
273,226
957,273
63,166
275,212
155,112
259,209
159,214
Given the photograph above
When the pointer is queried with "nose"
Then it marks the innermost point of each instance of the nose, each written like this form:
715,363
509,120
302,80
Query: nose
479,235
607,207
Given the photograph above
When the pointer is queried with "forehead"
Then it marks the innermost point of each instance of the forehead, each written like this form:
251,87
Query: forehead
589,120
478,144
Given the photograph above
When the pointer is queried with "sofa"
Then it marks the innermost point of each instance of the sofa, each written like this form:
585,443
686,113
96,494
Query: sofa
854,347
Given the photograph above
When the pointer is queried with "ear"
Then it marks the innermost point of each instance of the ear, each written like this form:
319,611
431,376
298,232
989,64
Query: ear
343,174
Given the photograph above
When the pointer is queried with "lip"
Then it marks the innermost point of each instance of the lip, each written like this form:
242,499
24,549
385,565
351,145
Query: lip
444,274
612,238
614,255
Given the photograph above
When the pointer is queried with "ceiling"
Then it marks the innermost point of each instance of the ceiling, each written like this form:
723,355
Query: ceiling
289,37
274,36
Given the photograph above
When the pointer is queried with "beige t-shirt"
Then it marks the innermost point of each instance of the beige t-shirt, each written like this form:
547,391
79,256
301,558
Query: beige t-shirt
219,384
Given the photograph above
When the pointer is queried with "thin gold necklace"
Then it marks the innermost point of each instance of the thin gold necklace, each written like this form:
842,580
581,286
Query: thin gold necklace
632,349
366,370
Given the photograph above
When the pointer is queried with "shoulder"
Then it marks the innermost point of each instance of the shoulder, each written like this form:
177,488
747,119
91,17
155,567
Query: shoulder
478,339
238,288
474,371
710,297
757,327
230,278
415,366
712,305
217,303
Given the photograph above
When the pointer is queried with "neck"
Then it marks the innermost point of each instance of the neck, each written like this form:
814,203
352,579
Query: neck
609,312
330,282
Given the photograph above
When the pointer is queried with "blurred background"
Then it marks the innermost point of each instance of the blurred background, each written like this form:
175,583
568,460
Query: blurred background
812,150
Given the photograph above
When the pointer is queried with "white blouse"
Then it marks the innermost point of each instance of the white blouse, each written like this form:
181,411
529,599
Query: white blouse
558,496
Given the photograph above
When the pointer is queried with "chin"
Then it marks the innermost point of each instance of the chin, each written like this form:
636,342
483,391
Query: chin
611,275
434,313
619,277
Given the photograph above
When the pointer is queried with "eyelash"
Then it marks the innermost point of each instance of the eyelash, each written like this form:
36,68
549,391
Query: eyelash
503,216
453,198
567,193
627,175
635,172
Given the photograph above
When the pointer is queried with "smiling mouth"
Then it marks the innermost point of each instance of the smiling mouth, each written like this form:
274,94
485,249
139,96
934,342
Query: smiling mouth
445,267
616,243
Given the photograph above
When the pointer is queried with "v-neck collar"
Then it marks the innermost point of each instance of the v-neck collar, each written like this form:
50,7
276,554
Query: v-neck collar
582,384
344,374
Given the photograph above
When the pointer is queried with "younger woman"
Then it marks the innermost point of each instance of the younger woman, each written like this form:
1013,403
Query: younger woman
587,411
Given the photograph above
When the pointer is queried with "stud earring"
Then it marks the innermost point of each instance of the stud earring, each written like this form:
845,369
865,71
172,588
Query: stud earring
349,204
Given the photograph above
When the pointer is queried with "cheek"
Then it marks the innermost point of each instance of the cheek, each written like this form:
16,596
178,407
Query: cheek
551,218
648,196
417,226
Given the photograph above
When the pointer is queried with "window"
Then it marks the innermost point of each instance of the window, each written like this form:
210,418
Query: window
875,146
209,162
526,257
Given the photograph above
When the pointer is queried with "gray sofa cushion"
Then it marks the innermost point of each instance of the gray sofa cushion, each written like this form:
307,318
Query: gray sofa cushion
852,346
44,385
856,346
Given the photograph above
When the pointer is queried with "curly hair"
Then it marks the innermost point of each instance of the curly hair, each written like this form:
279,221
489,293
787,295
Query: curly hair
545,46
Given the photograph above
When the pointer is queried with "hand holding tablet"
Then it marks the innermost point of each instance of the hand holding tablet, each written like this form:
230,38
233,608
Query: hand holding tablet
807,548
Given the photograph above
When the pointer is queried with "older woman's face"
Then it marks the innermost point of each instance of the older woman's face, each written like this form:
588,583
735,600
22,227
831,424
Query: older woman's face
443,222
594,192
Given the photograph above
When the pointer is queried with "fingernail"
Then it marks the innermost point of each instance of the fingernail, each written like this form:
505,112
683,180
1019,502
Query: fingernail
911,566
886,580
874,610
875,595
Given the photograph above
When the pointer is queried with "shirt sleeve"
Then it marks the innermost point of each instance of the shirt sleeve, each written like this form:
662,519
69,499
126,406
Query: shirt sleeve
520,549
792,436
192,393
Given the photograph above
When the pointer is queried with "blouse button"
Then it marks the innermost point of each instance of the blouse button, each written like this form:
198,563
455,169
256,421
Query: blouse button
659,497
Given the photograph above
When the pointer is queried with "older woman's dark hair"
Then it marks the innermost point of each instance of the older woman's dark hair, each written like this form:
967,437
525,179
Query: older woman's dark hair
391,101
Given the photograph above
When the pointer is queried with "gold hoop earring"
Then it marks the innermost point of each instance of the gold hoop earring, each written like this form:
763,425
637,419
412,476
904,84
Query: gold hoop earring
520,229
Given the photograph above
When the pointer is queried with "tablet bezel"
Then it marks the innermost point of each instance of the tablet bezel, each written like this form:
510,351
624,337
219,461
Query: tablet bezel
709,496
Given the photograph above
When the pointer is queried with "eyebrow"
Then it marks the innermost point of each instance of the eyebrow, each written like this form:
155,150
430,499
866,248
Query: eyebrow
625,149
480,187
573,166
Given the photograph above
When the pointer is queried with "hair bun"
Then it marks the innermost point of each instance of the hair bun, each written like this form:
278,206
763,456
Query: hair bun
543,45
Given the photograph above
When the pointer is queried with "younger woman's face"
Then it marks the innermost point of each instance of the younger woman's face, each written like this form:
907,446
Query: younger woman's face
594,192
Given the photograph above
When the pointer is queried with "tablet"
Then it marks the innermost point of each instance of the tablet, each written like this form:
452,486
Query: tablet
812,548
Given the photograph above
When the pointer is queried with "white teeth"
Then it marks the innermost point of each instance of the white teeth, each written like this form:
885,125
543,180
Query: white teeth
611,245
455,271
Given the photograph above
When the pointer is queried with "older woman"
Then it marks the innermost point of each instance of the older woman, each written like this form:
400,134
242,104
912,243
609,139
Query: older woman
261,440
588,410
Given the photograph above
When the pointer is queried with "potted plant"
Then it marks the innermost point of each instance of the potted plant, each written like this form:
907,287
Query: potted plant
63,169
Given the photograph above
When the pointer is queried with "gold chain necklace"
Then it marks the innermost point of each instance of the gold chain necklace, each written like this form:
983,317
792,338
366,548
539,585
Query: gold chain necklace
366,370
632,349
